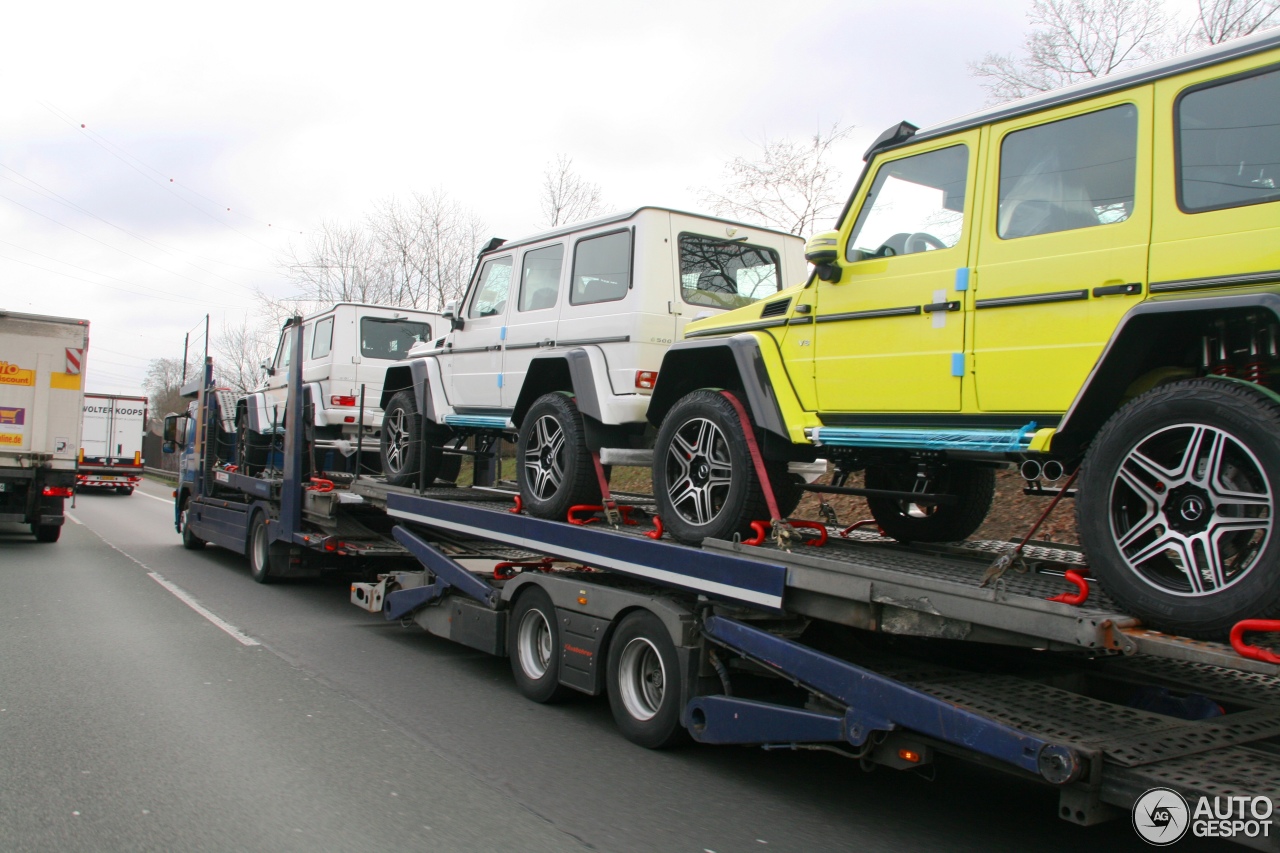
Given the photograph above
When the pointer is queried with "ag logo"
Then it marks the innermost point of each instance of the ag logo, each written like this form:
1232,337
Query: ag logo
1161,816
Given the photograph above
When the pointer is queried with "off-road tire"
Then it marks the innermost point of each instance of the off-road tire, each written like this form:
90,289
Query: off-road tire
553,465
973,485
1123,479
732,505
401,443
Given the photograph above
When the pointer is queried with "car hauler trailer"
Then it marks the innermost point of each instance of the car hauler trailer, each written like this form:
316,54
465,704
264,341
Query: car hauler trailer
889,655
111,444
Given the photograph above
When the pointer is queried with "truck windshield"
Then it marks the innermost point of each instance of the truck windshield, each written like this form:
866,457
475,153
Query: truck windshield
390,339
722,274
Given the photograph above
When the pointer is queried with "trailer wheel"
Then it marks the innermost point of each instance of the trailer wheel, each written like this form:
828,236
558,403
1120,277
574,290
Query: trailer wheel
401,442
704,478
1177,507
975,486
555,471
533,644
124,490
46,532
261,551
644,682
190,541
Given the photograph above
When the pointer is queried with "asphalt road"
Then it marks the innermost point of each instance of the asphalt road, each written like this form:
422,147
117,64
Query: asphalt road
130,721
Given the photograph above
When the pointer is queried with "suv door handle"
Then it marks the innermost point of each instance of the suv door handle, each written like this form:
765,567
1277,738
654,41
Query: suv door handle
1118,289
941,306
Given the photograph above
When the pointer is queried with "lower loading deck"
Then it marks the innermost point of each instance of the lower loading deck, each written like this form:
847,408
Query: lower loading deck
1003,658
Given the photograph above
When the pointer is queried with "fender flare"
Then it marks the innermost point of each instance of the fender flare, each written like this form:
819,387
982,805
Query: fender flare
734,363
411,374
569,370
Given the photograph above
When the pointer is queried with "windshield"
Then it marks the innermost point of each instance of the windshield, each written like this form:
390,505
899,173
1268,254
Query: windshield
390,339
724,274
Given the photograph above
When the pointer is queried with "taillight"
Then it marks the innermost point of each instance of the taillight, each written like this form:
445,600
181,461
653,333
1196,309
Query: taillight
57,491
646,379
342,401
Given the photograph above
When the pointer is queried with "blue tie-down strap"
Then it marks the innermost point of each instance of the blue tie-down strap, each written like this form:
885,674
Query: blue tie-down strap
875,702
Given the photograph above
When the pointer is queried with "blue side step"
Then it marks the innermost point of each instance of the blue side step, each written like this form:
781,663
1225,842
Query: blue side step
982,440
874,703
477,421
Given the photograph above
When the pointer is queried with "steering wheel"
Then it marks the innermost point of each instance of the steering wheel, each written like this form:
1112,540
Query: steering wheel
922,241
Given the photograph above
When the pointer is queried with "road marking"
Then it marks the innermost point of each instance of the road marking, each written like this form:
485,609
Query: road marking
167,501
187,599
72,517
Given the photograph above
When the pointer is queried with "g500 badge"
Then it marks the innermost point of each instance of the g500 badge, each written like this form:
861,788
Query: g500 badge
11,374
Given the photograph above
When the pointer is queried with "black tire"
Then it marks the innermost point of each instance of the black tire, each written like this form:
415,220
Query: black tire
974,485
644,682
1186,477
46,532
264,555
401,442
124,490
707,504
554,467
253,449
190,541
533,644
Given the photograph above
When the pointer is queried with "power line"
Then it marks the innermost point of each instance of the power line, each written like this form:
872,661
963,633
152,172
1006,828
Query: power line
110,286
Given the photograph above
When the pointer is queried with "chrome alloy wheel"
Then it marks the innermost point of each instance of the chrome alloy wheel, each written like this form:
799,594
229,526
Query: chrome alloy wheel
641,679
544,458
396,425
533,642
1191,510
699,471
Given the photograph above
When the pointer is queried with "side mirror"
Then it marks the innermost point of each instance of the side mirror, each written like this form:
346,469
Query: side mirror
175,431
823,251
268,369
450,313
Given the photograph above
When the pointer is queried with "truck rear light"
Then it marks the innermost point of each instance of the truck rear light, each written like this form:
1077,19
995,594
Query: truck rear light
349,419
57,491
342,401
137,457
646,379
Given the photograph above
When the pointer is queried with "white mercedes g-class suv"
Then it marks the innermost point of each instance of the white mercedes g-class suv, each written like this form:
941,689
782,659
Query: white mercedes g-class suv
558,339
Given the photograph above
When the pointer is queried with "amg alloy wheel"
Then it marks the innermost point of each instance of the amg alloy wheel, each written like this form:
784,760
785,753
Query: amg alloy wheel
555,470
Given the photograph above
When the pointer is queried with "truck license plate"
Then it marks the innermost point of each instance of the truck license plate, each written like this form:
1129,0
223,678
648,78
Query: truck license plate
108,476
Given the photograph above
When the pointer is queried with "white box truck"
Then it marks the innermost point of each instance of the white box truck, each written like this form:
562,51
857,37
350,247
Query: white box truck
42,363
111,444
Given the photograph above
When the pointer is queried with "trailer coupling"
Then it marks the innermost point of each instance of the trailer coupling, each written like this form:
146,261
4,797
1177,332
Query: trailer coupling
447,574
873,703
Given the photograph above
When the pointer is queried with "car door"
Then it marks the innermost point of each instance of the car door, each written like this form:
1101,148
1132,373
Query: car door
474,360
889,335
532,325
1063,248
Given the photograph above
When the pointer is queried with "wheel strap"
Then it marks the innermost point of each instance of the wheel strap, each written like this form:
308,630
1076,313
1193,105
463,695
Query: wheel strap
611,513
784,535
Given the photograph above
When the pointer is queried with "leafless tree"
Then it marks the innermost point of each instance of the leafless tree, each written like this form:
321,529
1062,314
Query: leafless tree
239,350
338,264
791,184
566,196
163,385
1075,40
1217,21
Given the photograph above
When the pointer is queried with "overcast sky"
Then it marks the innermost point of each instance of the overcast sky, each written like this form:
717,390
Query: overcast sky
156,160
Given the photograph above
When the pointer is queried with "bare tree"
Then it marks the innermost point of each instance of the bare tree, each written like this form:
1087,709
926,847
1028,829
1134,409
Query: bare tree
1075,40
163,385
792,184
566,197
1217,21
338,264
239,351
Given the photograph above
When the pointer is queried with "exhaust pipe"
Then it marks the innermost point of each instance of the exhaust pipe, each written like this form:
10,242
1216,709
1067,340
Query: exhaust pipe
1052,470
1031,470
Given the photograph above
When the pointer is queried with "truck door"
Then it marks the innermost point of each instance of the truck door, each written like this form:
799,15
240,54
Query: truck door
532,325
474,362
1063,251
889,336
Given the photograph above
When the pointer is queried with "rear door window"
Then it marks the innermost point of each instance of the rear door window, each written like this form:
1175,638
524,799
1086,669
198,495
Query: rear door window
540,278
726,274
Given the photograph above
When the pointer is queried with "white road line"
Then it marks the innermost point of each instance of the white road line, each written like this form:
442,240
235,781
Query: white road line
186,598
168,501
72,517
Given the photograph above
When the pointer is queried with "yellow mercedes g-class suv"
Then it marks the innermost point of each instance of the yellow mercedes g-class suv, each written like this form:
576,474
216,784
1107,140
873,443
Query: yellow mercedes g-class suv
1085,282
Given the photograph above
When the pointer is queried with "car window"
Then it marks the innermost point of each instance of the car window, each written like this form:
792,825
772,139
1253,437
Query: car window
1073,173
495,284
725,274
323,342
1228,139
915,204
601,269
540,278
390,339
